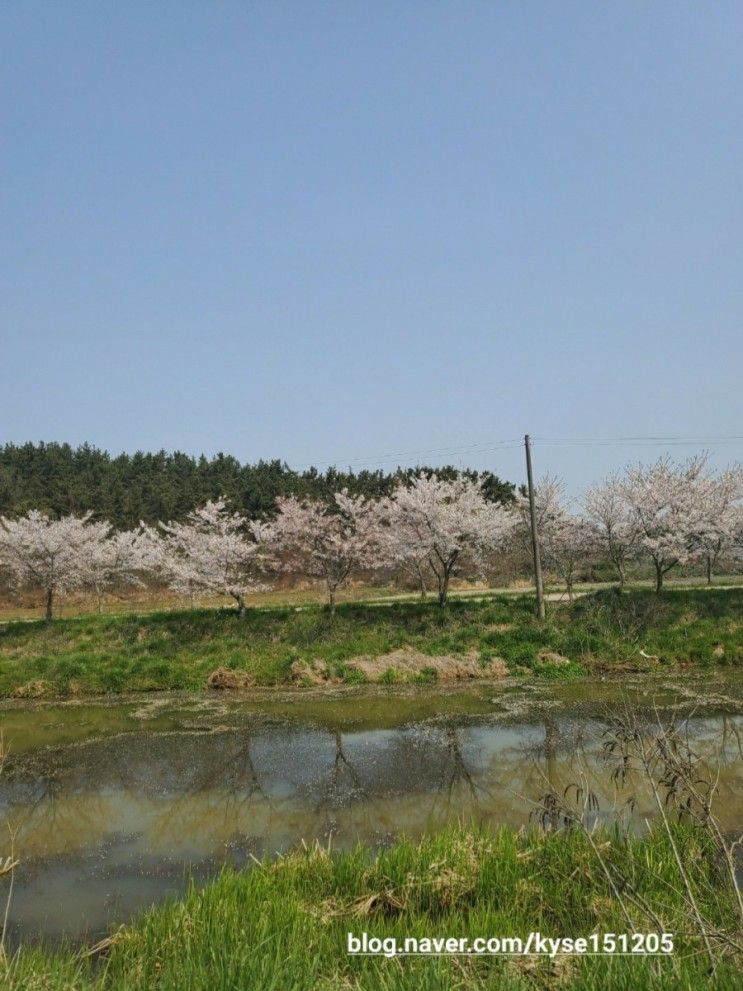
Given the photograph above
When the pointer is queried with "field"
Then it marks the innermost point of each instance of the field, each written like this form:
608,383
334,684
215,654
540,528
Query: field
484,635
283,925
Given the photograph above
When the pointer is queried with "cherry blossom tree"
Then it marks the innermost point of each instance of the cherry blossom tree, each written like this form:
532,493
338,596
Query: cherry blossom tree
565,538
53,555
568,543
736,543
122,558
616,530
719,504
323,541
665,504
396,545
549,495
213,551
441,523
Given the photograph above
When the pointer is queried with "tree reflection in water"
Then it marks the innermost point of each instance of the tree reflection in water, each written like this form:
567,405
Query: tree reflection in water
341,788
123,813
222,794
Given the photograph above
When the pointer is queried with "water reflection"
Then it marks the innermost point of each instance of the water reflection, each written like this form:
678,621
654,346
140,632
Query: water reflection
109,825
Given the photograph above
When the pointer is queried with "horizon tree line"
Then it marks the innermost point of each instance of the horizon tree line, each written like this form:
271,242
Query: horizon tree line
428,527
127,489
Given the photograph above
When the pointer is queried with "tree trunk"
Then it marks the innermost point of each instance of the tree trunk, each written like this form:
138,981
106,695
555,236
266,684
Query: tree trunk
658,578
421,584
569,587
622,575
331,601
551,739
49,603
99,597
240,606
709,569
444,588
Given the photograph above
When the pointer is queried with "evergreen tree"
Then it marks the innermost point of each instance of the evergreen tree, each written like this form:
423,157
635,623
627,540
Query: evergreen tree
59,480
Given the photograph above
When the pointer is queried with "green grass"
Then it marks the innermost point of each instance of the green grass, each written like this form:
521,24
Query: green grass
178,649
282,926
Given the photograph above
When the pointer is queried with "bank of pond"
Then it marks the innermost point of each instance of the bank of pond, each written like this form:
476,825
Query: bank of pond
284,924
492,638
264,827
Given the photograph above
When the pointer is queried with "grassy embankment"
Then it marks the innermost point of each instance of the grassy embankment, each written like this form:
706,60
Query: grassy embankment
283,925
178,650
150,599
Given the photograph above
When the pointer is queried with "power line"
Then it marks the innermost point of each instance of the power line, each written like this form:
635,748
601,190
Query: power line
385,458
499,445
641,441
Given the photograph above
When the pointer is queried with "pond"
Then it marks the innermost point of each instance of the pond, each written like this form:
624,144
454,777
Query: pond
114,806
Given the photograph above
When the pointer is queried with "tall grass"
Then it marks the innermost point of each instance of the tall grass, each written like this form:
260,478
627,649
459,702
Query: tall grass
283,925
178,649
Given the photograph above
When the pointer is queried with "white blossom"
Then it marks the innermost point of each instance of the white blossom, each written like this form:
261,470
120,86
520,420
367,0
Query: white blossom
122,558
322,541
53,555
616,527
441,522
212,551
566,539
719,523
664,503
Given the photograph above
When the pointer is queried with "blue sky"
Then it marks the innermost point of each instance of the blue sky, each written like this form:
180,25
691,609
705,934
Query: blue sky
328,232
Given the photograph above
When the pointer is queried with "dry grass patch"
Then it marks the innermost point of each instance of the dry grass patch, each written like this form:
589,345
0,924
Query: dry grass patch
312,673
35,689
551,657
225,679
447,667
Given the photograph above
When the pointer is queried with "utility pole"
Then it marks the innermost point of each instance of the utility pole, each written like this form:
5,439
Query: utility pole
534,536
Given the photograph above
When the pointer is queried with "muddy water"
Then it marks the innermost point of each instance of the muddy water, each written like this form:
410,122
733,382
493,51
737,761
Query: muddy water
114,805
